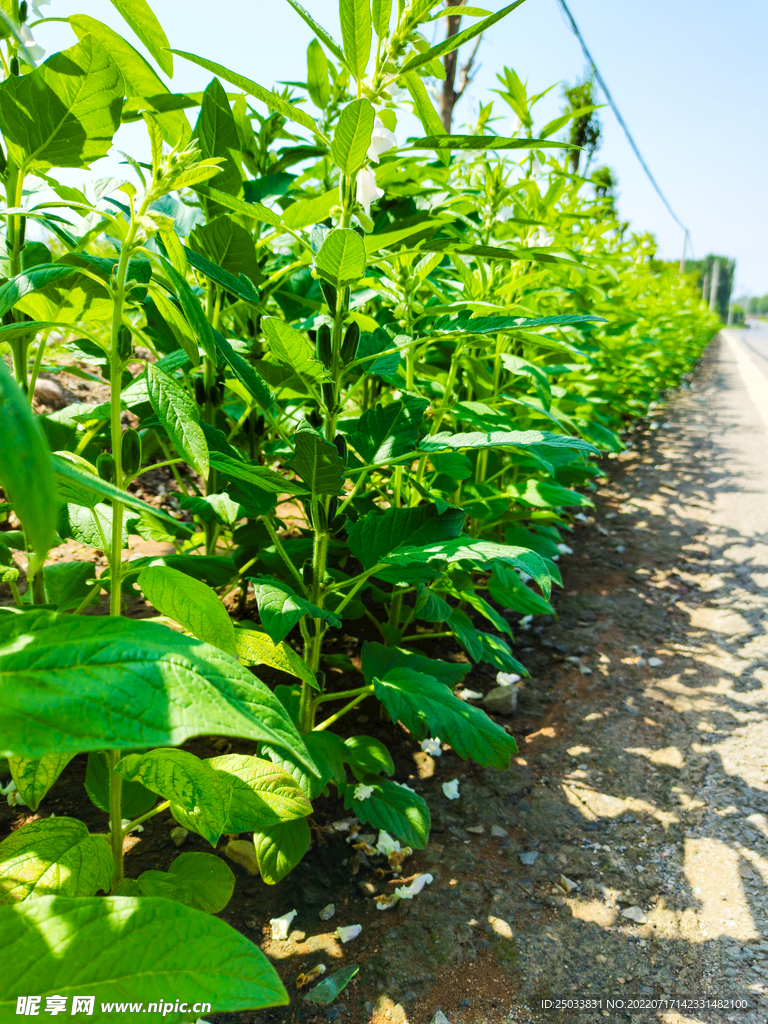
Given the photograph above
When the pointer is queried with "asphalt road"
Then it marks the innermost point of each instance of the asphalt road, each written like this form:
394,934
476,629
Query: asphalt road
755,341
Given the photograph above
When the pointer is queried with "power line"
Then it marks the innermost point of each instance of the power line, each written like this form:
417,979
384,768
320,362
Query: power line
622,122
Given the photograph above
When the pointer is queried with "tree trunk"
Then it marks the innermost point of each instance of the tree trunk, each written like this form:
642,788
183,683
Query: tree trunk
450,97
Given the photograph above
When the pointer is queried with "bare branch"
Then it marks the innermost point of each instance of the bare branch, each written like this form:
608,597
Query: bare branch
465,75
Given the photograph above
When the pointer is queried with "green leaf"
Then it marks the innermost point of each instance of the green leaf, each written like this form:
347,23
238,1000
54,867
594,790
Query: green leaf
503,439
121,948
53,855
145,686
178,414
68,583
461,625
492,252
191,603
508,590
483,143
271,99
26,474
216,133
430,607
254,648
310,211
427,708
139,78
198,880
381,13
34,280
138,14
35,776
190,306
254,384
542,494
378,660
198,797
369,755
176,322
260,476
317,462
340,260
522,367
280,848
394,808
135,799
226,252
377,534
292,349
454,42
280,607
72,474
65,113
254,211
328,753
478,552
355,18
352,137
423,107
389,431
318,79
261,794
332,986
496,652
320,32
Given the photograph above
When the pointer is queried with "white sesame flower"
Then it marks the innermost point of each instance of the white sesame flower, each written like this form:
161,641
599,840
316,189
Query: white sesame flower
403,785
34,51
407,892
432,747
37,4
469,694
382,140
505,213
581,517
451,789
507,678
363,792
367,189
386,844
564,549
349,933
11,794
280,925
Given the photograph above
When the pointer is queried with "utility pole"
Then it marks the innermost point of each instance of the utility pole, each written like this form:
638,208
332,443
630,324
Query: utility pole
705,287
731,290
685,246
715,285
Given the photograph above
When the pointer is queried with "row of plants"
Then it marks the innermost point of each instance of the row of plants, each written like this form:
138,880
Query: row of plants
380,371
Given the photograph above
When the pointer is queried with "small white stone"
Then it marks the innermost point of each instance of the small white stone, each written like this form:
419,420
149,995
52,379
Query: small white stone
439,1018
498,832
327,912
655,662
635,914
501,700
451,789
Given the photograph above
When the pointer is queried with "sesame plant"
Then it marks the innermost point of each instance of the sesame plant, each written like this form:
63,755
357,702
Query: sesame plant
377,369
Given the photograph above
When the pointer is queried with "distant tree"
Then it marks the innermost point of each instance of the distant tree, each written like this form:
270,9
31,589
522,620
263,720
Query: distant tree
585,130
605,184
703,271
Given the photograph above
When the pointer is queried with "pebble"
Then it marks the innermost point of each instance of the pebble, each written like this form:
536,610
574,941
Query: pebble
498,832
327,912
440,1018
528,857
501,700
634,914
49,392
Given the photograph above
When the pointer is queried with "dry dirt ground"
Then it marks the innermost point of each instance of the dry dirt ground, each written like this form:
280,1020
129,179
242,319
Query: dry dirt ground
641,781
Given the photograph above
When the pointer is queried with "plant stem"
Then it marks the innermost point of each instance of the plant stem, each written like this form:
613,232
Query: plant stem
341,695
347,707
284,554
145,817
115,816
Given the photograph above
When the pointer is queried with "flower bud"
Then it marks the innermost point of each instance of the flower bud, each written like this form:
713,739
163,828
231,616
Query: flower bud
131,452
105,467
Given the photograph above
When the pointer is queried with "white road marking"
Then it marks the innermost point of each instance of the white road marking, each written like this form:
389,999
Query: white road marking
753,377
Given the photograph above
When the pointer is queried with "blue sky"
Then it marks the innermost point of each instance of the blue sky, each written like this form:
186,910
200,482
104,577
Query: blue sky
689,77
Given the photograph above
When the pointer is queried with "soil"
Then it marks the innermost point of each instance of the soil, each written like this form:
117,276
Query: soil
640,781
